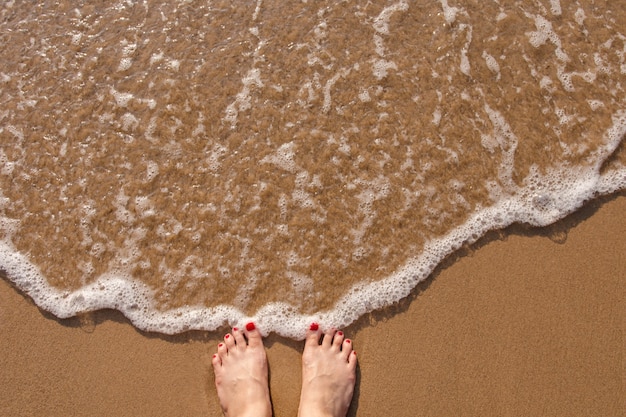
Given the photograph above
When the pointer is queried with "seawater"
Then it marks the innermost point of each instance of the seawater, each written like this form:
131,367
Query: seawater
201,163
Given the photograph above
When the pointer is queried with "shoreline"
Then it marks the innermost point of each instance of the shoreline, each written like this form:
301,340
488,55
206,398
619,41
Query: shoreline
516,324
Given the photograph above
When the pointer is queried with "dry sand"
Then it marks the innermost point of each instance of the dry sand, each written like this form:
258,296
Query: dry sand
527,325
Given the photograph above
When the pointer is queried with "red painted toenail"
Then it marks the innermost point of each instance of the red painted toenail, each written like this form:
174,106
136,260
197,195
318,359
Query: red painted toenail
348,341
314,326
339,333
220,345
250,326
235,329
354,351
227,336
215,355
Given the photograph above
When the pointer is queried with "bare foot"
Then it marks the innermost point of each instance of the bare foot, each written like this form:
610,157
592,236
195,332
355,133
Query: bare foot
240,367
328,374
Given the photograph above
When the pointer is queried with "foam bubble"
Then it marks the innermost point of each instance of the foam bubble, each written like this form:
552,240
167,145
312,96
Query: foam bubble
76,37
544,33
555,7
152,170
16,132
174,64
329,85
364,96
381,22
380,67
242,101
213,160
6,166
465,65
437,116
579,16
129,121
156,58
595,104
125,63
121,99
449,12
565,78
492,64
283,157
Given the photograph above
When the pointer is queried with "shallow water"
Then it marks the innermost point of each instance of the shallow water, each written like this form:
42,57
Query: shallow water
199,163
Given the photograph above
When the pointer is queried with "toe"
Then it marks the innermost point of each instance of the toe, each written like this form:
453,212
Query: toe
338,340
352,359
239,338
222,350
254,335
346,349
216,361
328,337
313,336
229,341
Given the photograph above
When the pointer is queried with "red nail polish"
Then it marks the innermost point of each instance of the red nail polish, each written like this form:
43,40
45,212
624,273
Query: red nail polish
314,326
235,329
250,326
227,336
348,341
220,345
354,351
339,333
215,355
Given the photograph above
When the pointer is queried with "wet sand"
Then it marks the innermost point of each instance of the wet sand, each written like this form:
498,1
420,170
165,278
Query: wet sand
531,324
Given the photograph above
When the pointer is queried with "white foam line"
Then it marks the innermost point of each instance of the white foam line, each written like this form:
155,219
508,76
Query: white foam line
133,298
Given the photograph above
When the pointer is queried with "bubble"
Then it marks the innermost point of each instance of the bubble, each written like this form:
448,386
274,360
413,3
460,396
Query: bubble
121,99
125,63
449,12
152,170
129,121
284,157
579,16
492,64
380,67
555,7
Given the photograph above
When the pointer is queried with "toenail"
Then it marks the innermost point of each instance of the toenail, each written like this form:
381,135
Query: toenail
220,345
348,341
227,336
314,326
235,329
214,355
250,326
339,333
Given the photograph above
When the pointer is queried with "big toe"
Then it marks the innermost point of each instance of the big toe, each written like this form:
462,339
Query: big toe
313,334
255,339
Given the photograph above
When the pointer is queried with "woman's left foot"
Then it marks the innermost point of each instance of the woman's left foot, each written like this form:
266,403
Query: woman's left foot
240,367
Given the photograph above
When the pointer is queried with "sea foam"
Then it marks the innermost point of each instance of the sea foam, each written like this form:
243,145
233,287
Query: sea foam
544,200
194,171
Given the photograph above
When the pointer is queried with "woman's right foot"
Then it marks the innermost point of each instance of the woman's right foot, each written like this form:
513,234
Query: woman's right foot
328,374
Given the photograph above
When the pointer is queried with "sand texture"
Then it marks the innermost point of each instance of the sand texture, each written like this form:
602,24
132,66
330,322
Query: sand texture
524,323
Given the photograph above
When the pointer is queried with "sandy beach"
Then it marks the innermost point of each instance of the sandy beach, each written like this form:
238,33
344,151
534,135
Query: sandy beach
525,323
